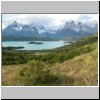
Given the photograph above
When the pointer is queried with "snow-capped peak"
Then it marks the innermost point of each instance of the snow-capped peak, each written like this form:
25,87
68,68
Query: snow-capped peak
41,29
28,27
14,23
16,26
80,26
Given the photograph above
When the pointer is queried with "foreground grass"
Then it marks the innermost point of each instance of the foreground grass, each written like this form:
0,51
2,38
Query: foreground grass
10,75
80,71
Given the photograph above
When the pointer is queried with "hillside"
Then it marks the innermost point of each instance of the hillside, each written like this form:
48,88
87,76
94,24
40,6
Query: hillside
72,65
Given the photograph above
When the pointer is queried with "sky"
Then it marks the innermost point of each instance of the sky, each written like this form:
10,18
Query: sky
47,20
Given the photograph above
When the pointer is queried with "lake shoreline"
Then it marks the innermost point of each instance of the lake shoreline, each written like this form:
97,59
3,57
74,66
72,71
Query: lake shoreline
33,45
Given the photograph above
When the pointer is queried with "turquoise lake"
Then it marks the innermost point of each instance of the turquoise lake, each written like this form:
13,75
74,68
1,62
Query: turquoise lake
46,44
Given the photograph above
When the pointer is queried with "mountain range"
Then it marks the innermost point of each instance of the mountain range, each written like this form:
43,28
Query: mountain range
28,32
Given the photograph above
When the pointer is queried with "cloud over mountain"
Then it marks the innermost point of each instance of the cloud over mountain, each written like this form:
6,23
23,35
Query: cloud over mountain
48,20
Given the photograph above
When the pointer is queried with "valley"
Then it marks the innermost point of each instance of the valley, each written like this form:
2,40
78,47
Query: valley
50,49
75,64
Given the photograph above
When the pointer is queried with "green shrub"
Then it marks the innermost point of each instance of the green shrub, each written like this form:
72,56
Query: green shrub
37,73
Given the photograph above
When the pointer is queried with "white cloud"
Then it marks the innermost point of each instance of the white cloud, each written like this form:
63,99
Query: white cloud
48,20
88,17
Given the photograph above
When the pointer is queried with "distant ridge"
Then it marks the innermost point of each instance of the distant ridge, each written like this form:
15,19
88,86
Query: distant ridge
27,32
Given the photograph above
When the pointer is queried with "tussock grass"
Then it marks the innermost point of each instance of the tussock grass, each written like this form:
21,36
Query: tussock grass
83,70
10,75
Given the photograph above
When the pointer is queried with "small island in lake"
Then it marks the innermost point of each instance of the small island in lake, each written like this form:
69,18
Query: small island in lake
35,42
11,48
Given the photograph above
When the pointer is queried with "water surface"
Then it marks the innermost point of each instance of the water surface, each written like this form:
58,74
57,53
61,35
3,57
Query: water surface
27,46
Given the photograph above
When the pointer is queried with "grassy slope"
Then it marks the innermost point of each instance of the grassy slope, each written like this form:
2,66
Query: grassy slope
81,70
